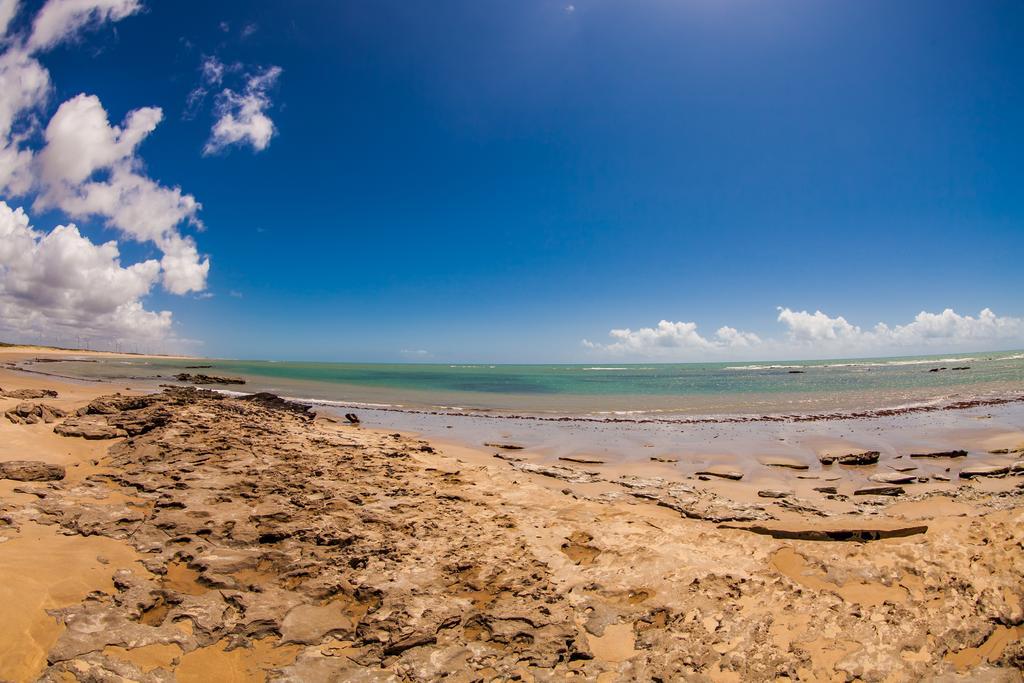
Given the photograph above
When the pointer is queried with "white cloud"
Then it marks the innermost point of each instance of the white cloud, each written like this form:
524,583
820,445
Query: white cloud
242,117
8,9
24,86
61,20
816,327
212,70
80,142
86,168
811,335
59,283
945,330
671,339
183,270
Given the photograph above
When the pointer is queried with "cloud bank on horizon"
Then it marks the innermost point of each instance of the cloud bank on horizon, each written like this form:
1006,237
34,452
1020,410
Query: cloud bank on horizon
59,282
809,335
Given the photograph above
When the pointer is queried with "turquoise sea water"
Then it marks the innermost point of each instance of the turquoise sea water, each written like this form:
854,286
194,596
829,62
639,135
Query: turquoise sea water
739,387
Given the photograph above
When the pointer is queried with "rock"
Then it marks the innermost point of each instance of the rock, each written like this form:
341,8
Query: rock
582,460
30,470
207,379
774,493
984,471
91,429
852,458
116,403
1017,466
830,490
309,624
722,472
352,418
28,394
655,458
941,454
788,463
860,535
274,402
504,446
33,413
893,478
880,490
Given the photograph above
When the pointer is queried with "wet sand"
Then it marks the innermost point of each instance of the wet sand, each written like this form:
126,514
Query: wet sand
245,540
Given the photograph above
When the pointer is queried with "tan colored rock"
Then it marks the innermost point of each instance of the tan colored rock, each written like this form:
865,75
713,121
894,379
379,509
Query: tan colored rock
30,470
309,624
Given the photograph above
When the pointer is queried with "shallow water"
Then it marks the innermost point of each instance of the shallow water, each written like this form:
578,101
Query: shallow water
798,387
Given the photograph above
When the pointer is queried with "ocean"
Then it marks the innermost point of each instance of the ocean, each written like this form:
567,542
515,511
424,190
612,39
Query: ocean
607,390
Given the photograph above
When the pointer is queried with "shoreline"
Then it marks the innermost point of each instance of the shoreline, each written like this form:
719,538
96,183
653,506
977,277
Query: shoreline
246,538
669,393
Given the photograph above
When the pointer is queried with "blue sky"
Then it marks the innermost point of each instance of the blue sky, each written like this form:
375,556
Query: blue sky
500,181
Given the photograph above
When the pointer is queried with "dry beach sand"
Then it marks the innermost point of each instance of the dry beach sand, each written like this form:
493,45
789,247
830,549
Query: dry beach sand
227,539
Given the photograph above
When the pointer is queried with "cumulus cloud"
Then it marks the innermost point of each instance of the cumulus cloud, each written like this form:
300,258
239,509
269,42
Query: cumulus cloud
673,339
947,329
86,168
242,116
60,283
81,143
24,86
817,334
62,20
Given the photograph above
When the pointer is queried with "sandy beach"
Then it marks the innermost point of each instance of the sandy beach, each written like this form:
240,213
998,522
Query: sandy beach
194,536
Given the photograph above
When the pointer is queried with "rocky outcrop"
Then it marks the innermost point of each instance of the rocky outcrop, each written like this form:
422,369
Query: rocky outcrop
893,478
28,394
774,493
984,471
843,534
30,470
958,453
34,413
880,490
721,473
852,458
350,554
207,379
88,428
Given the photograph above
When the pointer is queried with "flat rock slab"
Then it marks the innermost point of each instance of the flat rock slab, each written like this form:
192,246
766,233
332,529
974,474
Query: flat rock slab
28,393
941,454
309,624
852,533
851,458
788,463
505,446
581,460
984,471
880,490
30,470
655,458
721,472
893,478
775,493
88,429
